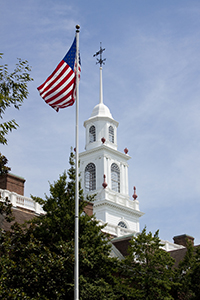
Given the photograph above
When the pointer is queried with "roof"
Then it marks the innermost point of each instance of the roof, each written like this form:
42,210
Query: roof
21,215
101,110
122,243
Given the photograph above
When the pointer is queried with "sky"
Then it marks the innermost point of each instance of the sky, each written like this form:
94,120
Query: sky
151,84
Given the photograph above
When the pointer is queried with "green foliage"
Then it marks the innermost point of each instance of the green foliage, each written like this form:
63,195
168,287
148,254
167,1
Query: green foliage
148,268
37,262
13,91
195,275
5,212
3,162
188,275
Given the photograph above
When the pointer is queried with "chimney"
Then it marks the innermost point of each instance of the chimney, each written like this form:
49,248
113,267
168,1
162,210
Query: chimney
183,240
12,183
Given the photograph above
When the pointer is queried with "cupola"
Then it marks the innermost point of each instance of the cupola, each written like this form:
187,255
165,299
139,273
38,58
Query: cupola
101,124
104,171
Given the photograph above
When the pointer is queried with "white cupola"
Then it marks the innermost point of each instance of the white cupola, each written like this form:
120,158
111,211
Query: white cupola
101,125
104,171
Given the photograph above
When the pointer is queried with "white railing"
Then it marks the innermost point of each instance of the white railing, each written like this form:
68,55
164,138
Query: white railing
116,230
21,201
117,198
119,231
169,246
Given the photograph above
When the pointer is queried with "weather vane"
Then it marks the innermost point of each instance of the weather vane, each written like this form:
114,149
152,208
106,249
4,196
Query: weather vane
100,60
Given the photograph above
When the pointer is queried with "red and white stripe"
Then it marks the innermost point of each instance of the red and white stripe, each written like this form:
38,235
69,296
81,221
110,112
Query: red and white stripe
59,89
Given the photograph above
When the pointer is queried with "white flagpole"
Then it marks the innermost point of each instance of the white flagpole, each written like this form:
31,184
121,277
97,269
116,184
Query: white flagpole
76,250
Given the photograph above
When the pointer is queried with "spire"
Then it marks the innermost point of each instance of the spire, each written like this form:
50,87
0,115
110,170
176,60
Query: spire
101,62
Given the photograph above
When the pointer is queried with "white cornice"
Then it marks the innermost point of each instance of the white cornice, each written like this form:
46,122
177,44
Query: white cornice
105,149
94,119
128,210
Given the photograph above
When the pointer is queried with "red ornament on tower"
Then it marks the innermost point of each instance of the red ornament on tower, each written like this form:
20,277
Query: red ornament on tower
134,195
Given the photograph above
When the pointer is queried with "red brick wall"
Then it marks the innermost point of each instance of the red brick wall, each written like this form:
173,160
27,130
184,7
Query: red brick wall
12,183
183,239
89,209
122,244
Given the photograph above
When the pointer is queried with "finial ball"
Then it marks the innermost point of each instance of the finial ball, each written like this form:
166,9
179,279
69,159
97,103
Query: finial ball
77,26
125,150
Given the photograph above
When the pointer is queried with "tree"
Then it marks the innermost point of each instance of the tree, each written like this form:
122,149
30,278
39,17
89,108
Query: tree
3,162
188,275
195,274
148,268
13,91
38,261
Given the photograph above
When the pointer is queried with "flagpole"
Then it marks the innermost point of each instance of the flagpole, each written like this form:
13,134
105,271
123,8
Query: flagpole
76,249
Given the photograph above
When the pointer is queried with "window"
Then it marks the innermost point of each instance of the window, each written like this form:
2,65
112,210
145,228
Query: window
92,134
90,177
111,134
122,224
115,178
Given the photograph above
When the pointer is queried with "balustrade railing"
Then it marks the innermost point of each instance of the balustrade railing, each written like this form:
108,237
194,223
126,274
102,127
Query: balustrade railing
21,201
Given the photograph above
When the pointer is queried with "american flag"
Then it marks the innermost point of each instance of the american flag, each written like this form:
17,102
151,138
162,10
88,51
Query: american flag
59,90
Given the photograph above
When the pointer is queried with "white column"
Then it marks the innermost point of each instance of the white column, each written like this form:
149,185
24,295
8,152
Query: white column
122,179
99,163
105,169
13,199
108,173
126,172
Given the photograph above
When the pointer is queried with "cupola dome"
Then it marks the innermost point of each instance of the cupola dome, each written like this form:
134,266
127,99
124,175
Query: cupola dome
101,110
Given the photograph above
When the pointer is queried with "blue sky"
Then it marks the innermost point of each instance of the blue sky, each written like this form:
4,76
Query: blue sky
151,84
